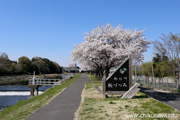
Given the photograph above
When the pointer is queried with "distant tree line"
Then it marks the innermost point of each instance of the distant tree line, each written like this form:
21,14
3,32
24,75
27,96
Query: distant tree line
160,66
26,66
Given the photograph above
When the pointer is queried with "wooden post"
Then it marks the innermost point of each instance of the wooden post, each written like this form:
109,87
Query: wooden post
104,87
36,91
130,71
32,92
33,87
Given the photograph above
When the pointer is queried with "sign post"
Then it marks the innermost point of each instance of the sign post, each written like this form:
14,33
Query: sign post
120,80
104,87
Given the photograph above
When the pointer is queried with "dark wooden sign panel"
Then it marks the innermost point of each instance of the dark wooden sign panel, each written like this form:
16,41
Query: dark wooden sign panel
120,79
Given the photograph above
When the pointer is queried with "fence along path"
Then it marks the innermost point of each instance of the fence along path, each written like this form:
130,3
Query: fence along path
48,82
168,84
45,82
64,105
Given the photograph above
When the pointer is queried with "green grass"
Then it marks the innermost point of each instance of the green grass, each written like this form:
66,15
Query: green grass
24,108
93,78
111,102
115,108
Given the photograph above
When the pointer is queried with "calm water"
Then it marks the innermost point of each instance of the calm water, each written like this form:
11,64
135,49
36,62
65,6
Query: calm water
19,88
7,99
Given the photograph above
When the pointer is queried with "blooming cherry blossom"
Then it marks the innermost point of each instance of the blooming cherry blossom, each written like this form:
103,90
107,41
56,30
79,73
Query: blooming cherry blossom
107,47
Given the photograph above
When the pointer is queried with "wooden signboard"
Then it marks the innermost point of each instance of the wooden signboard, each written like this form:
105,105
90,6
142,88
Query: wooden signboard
120,80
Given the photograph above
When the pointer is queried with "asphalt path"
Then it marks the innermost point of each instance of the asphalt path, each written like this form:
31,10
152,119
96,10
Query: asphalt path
64,105
168,98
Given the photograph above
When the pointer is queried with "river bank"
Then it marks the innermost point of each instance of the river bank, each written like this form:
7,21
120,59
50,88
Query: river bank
11,94
26,107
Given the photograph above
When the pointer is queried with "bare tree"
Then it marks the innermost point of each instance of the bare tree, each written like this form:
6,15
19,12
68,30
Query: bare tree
170,46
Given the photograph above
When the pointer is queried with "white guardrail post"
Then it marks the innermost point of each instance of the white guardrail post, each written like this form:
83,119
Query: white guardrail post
33,82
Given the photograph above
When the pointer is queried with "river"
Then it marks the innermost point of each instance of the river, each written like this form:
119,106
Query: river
12,94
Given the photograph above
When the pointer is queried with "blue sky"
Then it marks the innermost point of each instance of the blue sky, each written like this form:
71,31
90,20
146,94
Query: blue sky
50,28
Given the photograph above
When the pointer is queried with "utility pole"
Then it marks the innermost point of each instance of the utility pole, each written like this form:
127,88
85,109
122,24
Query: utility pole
178,79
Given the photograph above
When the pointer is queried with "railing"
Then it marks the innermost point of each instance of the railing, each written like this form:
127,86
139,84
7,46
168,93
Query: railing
37,82
168,84
45,82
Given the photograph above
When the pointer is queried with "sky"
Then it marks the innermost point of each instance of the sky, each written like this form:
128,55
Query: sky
51,28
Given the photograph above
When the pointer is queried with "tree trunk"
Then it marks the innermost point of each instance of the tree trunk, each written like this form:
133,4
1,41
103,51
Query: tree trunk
106,74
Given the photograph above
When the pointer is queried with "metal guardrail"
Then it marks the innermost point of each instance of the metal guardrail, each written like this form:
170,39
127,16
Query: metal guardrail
45,82
37,82
48,82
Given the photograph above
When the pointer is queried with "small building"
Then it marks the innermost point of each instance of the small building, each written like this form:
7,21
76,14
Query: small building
72,65
71,69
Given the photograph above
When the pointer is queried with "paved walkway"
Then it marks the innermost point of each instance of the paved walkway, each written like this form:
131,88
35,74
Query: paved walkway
64,105
168,98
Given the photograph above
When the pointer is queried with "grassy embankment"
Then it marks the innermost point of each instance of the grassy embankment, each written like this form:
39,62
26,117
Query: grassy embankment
24,108
93,78
141,106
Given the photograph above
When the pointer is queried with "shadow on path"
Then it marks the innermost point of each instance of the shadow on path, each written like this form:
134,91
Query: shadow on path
161,96
168,98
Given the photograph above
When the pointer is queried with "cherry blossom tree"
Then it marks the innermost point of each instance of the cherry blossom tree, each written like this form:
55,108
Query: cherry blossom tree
107,47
